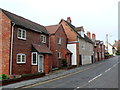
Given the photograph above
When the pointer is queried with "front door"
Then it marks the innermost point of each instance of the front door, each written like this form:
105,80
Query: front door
40,63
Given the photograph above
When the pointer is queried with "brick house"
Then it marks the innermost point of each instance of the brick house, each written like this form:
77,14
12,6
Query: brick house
99,47
116,44
58,45
99,50
78,43
24,46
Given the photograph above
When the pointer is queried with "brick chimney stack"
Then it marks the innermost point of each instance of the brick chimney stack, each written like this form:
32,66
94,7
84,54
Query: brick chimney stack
93,36
88,34
69,19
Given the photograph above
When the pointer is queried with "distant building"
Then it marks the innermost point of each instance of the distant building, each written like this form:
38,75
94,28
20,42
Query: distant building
110,48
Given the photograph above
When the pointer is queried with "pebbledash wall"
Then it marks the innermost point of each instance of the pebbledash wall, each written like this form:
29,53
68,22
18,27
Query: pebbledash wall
5,33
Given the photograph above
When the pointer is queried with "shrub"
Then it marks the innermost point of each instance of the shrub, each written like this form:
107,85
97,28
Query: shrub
64,63
3,76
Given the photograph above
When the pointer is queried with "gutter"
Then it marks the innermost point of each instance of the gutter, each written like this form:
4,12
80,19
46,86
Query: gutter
11,47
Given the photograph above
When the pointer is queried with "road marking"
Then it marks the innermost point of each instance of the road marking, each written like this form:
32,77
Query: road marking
73,73
108,70
94,78
98,75
115,65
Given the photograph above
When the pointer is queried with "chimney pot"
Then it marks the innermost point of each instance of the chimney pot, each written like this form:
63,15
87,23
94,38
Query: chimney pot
93,36
69,19
88,34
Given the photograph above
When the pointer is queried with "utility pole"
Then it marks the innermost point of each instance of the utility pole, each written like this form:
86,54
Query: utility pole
107,41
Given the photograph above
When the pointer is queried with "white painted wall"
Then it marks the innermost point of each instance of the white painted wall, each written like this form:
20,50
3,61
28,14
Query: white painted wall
72,48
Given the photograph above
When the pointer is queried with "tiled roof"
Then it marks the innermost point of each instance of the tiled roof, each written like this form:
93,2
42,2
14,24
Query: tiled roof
52,28
20,21
42,48
67,50
80,28
79,36
88,39
116,44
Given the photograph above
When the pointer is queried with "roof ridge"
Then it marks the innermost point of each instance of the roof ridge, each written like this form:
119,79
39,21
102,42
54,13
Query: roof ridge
22,17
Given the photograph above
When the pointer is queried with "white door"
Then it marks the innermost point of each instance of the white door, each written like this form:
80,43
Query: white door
40,63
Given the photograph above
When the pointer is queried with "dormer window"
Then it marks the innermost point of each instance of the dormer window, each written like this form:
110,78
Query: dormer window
43,39
82,33
21,34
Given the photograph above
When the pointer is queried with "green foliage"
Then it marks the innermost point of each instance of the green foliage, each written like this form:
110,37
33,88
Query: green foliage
118,53
64,63
3,76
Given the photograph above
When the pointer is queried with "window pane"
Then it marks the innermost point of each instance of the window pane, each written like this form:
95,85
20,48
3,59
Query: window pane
34,58
19,33
24,34
41,38
44,39
23,58
18,58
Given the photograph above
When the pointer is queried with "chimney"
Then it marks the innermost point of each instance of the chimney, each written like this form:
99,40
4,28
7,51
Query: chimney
93,36
69,19
88,34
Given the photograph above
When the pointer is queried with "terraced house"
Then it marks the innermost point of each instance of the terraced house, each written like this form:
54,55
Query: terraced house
25,45
58,45
78,43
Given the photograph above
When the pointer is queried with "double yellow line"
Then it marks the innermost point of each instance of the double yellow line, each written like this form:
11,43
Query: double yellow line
58,77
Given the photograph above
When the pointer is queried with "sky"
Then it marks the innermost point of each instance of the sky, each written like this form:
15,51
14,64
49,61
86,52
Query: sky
97,16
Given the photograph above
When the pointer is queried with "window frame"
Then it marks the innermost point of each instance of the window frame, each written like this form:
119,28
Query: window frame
59,55
21,61
59,40
36,58
43,38
22,30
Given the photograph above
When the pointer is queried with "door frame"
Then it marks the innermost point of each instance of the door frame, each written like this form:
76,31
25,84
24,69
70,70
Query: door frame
39,61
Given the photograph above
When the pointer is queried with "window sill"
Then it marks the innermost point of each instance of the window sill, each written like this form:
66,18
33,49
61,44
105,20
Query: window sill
22,39
34,64
21,62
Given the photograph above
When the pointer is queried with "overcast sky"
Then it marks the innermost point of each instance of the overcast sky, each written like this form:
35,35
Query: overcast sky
97,16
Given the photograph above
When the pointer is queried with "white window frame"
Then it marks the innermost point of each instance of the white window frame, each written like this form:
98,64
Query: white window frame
36,58
59,40
21,54
21,34
43,38
59,55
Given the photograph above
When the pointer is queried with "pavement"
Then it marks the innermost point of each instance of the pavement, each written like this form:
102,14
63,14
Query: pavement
52,76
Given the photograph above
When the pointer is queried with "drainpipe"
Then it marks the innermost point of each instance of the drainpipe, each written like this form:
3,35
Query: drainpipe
11,47
49,41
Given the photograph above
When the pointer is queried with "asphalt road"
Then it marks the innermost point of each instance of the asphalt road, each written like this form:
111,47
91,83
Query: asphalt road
103,74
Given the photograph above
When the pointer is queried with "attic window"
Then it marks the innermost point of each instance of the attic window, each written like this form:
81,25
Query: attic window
82,33
43,38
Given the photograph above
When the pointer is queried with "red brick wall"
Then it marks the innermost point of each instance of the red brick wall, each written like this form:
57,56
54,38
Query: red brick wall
77,54
55,47
25,47
47,63
70,34
5,33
